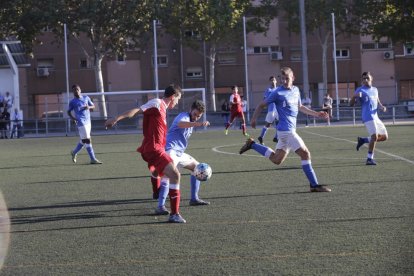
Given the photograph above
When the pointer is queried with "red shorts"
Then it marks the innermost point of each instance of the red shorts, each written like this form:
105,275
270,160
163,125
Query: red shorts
234,114
157,159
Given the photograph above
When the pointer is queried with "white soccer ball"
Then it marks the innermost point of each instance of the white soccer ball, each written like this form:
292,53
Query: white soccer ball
203,171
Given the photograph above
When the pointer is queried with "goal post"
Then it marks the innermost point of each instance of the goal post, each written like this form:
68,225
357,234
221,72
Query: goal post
117,102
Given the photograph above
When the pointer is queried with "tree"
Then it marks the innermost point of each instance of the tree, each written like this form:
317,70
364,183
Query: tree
111,27
217,22
319,23
392,19
21,20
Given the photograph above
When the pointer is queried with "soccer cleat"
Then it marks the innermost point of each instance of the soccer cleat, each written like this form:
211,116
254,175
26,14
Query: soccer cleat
320,189
226,131
360,143
246,146
198,202
275,140
176,218
370,162
260,140
96,162
162,211
73,156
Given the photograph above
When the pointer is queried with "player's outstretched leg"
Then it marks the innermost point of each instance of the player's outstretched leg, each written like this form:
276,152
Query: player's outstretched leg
162,197
247,146
311,175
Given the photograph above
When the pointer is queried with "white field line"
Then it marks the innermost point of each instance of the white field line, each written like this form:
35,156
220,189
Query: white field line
377,150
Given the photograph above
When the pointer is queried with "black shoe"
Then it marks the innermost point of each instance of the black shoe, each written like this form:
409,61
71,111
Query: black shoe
370,162
247,146
275,140
260,140
320,189
198,202
360,143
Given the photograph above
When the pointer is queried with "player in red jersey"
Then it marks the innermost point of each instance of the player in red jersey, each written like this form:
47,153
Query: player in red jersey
152,148
236,110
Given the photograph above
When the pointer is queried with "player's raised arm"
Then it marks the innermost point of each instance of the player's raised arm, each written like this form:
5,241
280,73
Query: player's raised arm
308,111
128,114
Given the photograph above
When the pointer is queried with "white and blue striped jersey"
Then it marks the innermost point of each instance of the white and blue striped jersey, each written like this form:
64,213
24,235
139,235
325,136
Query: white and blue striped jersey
83,116
369,102
287,103
177,138
268,91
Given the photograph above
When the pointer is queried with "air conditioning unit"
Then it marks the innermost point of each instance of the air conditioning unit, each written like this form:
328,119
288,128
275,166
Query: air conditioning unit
42,72
276,56
389,55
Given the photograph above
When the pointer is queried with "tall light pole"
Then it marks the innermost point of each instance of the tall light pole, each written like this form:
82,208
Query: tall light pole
246,77
154,23
304,47
335,66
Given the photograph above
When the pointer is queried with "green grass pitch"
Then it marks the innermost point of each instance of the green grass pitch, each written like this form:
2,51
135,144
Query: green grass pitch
81,219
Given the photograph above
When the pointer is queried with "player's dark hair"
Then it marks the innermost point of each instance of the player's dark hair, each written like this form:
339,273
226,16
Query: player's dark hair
75,86
367,74
234,87
172,89
199,105
272,77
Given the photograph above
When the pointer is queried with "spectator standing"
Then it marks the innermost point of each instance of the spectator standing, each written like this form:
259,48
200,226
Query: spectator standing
327,106
8,100
17,124
4,123
225,108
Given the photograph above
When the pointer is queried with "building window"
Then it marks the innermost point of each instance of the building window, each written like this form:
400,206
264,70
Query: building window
263,49
295,54
192,34
376,45
226,58
408,48
45,63
84,63
342,53
194,73
121,58
161,60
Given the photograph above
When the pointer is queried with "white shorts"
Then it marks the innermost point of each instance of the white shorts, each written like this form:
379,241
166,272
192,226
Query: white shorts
376,126
181,160
85,131
289,140
271,116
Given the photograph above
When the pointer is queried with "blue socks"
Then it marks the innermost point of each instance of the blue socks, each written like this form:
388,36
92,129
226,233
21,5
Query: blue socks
89,149
261,149
263,133
79,146
163,192
195,187
309,172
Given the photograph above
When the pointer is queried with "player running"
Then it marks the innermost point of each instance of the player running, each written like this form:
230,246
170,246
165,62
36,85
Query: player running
236,110
367,95
177,141
272,114
152,148
288,103
81,105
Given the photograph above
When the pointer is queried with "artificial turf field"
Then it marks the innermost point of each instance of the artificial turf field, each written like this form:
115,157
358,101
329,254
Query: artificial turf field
81,219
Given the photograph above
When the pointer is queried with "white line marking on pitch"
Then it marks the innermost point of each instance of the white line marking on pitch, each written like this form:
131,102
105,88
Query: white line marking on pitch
349,141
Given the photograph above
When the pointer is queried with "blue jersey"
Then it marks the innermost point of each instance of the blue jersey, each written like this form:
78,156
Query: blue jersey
369,102
287,103
83,116
268,91
177,138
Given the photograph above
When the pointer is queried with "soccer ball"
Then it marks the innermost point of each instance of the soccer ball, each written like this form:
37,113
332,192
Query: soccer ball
203,171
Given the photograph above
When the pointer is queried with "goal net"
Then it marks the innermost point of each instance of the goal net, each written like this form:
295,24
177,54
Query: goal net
117,102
